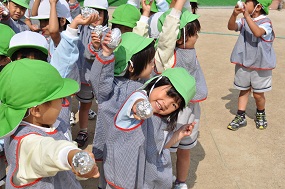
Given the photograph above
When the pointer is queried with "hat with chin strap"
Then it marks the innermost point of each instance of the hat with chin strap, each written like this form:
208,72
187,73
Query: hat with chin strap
265,5
27,83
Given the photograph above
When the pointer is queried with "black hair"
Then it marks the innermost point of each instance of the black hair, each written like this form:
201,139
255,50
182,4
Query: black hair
173,93
140,61
106,18
26,52
194,7
64,26
191,29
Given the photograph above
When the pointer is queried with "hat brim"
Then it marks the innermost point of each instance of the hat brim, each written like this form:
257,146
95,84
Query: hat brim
40,17
69,87
114,21
22,4
9,120
11,50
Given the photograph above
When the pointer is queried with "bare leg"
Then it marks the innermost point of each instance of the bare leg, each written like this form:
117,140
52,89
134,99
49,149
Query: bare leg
259,100
243,99
182,164
83,115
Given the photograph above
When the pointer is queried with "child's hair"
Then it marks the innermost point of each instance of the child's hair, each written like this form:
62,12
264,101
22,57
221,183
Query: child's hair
28,53
191,29
173,93
141,60
106,16
194,7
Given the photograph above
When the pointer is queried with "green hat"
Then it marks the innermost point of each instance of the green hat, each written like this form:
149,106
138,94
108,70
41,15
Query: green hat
182,81
193,1
265,5
153,7
131,44
27,83
185,18
23,3
126,15
5,37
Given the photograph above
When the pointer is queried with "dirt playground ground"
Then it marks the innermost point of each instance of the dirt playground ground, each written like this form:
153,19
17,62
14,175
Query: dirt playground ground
224,159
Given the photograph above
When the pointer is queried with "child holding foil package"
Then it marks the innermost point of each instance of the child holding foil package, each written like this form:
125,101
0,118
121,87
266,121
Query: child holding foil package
179,51
144,137
114,77
254,59
89,45
33,136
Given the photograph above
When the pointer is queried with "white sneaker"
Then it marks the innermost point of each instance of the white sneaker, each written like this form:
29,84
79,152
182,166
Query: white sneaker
180,186
91,114
72,119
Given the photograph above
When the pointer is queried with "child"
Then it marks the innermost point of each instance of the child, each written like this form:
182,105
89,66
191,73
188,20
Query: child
5,36
113,79
136,153
17,10
180,52
89,46
254,57
33,135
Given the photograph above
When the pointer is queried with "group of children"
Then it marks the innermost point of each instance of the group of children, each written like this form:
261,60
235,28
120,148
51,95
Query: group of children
148,89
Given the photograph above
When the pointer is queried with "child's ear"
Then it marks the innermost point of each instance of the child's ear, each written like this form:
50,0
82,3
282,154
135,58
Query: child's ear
131,69
62,21
35,111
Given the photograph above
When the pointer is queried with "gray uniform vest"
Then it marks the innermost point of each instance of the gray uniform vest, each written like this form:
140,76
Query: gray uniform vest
62,180
254,52
186,58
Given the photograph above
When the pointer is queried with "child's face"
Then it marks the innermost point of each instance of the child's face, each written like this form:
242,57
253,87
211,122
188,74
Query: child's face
4,60
44,26
16,11
101,18
49,112
147,71
162,103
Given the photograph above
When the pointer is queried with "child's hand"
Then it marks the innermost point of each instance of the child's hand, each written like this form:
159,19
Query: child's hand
79,20
94,171
238,10
146,7
95,40
186,130
106,50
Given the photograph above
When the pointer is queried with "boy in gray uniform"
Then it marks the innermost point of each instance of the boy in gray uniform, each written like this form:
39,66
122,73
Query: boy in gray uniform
254,57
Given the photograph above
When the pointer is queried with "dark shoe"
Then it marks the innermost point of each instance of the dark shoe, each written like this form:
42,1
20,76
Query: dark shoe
260,121
237,122
81,138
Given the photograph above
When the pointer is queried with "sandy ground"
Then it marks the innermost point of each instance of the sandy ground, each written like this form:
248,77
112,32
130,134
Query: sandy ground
223,159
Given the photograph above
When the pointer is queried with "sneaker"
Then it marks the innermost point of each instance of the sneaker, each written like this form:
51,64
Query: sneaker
260,121
91,114
237,122
72,119
81,138
180,186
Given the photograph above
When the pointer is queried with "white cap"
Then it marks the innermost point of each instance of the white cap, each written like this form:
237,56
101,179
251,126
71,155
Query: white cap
99,4
27,39
152,22
62,10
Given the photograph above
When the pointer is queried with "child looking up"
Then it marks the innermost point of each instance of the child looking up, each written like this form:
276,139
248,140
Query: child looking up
254,59
33,136
17,10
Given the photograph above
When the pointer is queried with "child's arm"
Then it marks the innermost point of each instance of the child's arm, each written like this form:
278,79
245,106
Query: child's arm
53,23
256,30
142,26
45,157
35,7
164,56
183,131
232,25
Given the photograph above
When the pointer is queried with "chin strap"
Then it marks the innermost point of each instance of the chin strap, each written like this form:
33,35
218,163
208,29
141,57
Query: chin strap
254,9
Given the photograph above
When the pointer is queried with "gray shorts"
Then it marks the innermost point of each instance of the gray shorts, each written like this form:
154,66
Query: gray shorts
259,80
85,93
189,114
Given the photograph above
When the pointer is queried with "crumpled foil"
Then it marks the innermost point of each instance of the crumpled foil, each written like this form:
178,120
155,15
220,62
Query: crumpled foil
86,12
115,38
82,162
5,10
144,109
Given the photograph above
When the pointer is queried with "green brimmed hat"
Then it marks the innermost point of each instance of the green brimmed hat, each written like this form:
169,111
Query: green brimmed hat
27,83
5,37
131,44
185,18
126,15
265,5
28,39
181,80
23,3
